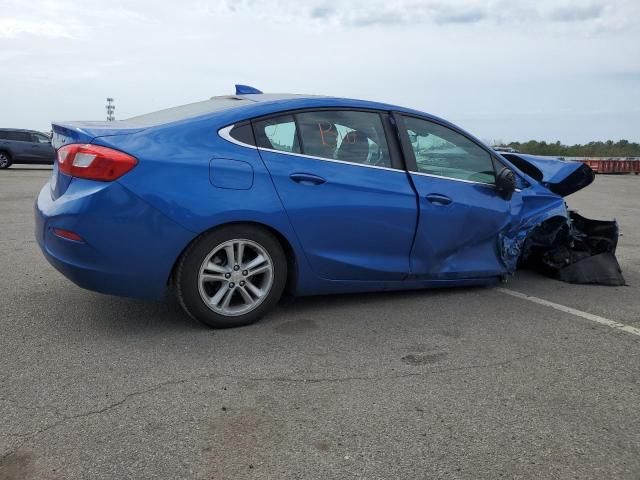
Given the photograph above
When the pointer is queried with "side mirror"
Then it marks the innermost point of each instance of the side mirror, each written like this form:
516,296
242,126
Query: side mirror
506,183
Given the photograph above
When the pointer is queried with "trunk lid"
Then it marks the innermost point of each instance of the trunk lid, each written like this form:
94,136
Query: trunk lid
84,132
562,177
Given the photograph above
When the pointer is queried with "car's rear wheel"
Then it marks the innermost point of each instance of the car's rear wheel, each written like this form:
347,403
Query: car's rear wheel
5,160
231,276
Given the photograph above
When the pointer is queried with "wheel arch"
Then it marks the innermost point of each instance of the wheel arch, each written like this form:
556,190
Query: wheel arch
290,254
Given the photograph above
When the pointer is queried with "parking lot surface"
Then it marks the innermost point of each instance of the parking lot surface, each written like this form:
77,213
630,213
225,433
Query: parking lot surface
466,383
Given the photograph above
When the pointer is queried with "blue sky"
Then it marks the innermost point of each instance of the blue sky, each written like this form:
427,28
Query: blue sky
504,70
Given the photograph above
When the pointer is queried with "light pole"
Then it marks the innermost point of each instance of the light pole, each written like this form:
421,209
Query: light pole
111,108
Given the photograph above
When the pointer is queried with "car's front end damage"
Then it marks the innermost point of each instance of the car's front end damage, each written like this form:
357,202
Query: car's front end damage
575,250
553,240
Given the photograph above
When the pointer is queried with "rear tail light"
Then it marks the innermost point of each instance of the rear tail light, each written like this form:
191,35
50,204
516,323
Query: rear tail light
94,162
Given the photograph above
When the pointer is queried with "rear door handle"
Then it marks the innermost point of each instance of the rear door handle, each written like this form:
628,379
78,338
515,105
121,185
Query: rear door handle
438,199
307,179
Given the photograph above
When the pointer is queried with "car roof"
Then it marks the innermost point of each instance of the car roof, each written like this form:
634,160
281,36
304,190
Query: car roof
233,108
269,97
295,99
20,130
248,103
274,103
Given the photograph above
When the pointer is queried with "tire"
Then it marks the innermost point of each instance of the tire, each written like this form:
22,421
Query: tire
216,289
5,160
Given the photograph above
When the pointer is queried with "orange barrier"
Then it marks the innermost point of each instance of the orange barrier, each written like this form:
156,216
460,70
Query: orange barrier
611,164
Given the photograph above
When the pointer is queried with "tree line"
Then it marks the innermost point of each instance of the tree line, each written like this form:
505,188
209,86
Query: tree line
621,148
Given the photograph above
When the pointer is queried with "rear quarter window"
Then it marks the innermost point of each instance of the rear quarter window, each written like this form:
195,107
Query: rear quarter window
243,133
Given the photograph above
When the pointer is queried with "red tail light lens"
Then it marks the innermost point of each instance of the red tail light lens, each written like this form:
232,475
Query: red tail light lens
94,162
68,234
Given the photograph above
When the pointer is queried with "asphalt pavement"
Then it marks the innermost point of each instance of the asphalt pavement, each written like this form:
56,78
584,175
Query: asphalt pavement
470,383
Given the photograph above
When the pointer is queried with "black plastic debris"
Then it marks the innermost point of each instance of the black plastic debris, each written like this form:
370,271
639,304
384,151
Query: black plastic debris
575,250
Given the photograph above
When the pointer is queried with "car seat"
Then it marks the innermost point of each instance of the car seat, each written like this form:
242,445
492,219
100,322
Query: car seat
354,147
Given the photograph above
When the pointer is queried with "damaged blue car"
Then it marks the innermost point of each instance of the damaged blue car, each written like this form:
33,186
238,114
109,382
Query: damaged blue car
233,201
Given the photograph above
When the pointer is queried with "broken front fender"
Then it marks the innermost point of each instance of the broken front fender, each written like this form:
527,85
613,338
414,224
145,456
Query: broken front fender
529,209
545,236
575,250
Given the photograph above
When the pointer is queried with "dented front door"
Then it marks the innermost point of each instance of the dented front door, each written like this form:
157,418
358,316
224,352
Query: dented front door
457,235
461,214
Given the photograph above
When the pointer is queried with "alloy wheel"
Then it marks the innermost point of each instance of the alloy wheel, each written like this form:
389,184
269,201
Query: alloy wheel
235,277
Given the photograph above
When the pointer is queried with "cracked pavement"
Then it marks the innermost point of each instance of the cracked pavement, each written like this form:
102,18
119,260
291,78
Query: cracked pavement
464,383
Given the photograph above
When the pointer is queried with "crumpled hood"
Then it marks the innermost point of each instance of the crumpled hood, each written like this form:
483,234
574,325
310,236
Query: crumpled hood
562,177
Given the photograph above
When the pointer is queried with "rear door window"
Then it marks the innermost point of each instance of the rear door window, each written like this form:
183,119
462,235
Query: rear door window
345,135
277,133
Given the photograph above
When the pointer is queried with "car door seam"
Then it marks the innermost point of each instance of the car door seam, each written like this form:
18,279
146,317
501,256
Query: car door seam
286,212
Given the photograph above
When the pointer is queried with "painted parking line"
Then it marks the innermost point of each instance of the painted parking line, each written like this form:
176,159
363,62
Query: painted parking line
572,311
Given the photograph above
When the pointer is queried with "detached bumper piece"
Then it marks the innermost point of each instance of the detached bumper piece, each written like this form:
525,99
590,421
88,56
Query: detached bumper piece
575,250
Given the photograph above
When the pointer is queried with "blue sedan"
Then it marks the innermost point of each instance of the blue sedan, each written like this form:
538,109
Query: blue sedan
233,201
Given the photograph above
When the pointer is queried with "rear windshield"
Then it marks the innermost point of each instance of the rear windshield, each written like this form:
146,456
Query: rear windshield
190,110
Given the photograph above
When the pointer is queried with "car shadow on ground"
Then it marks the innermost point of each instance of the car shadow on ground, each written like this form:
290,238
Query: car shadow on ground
348,300
124,316
118,316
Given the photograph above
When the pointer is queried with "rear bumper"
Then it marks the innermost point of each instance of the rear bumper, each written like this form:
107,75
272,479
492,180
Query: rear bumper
128,247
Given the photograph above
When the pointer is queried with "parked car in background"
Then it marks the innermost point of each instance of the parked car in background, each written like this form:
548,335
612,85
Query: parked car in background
25,146
497,148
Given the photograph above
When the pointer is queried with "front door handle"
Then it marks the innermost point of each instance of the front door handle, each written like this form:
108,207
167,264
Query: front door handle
438,199
307,179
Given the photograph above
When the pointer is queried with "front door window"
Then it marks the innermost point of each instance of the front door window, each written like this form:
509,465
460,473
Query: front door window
443,152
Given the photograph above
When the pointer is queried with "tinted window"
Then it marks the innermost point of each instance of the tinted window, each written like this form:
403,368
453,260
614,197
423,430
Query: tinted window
39,138
16,135
356,137
242,132
3,135
278,133
446,153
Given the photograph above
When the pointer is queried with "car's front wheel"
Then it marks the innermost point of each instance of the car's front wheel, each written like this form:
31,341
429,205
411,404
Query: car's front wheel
5,160
231,276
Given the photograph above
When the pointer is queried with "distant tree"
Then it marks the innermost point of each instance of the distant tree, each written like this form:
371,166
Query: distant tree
622,148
